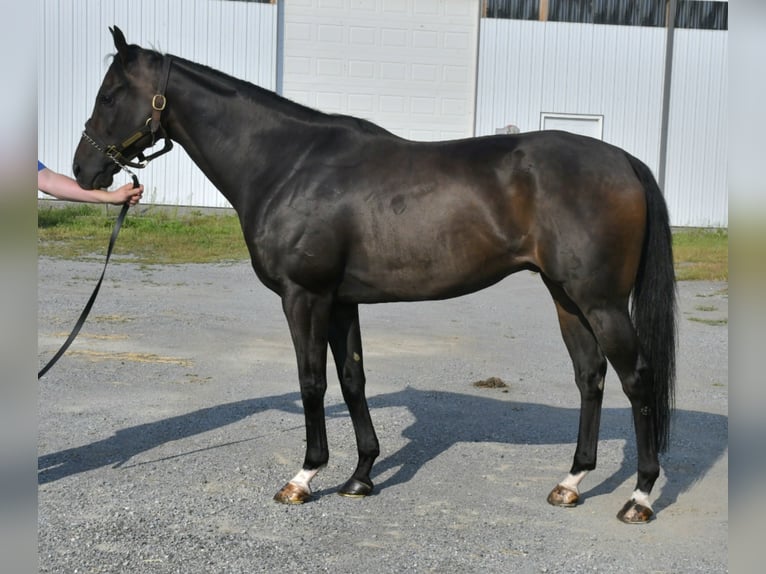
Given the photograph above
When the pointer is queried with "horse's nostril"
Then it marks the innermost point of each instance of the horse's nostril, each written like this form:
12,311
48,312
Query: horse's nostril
76,169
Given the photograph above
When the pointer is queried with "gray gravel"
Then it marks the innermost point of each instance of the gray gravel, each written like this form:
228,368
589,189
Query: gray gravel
175,417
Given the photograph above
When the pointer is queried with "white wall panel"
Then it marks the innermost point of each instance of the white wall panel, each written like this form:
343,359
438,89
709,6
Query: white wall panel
407,65
696,174
238,38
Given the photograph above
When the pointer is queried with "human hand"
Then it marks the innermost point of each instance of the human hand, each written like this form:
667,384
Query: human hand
127,194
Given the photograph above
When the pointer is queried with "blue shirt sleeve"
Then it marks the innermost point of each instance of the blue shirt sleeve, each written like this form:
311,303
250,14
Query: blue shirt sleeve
40,165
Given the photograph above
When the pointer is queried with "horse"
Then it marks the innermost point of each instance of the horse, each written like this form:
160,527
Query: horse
336,212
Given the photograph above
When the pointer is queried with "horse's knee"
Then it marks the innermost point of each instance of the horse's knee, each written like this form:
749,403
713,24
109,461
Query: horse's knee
313,390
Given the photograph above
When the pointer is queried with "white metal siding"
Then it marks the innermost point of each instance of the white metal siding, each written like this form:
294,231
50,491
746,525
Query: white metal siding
696,175
527,68
238,38
407,65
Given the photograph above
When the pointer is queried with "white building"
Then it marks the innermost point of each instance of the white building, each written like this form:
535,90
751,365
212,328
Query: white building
619,70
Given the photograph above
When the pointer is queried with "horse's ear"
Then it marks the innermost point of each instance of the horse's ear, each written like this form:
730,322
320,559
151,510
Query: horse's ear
120,43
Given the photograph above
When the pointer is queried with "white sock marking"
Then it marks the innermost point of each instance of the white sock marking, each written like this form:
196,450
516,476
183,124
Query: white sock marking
303,479
641,498
572,481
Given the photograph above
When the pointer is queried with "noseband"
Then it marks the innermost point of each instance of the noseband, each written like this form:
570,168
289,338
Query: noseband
146,136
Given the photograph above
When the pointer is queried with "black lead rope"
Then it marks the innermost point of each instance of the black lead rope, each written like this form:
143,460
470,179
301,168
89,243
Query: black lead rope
89,304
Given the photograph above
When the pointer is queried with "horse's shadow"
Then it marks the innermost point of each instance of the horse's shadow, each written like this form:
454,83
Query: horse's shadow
442,419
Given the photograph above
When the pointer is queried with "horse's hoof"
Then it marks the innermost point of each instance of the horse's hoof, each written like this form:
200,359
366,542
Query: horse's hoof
355,488
291,493
635,513
563,496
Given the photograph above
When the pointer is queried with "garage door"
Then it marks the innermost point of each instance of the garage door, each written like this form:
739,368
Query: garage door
407,65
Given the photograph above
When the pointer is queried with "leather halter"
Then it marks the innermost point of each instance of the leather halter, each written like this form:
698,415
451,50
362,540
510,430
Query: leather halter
130,147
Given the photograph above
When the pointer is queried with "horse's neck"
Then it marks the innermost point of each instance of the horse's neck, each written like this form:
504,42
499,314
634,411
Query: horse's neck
229,137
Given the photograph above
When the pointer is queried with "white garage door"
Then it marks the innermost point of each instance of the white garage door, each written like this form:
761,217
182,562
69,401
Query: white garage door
407,65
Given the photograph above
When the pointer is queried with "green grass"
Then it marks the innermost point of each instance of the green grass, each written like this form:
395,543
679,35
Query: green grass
157,236
712,322
151,237
701,254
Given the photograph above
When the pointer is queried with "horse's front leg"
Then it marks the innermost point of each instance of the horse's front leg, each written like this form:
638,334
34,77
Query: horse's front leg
308,316
346,346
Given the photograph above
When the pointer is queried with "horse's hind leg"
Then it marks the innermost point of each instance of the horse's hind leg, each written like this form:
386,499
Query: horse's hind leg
590,369
346,345
617,338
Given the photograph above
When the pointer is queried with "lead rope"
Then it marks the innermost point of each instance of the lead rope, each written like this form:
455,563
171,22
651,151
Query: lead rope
89,304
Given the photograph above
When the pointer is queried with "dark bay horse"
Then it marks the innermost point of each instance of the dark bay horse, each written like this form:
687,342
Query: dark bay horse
337,211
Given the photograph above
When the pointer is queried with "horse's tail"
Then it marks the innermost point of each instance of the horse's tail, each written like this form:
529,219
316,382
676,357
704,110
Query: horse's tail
653,306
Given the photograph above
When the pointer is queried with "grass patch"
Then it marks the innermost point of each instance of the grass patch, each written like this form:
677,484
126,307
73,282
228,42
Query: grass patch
157,236
701,254
711,322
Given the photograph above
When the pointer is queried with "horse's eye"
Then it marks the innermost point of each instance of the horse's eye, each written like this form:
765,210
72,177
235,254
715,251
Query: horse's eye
106,99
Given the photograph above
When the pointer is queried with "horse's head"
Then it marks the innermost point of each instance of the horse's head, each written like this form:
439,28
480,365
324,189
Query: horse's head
126,117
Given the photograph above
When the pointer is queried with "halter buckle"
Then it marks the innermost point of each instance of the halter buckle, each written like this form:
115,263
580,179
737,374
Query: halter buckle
158,102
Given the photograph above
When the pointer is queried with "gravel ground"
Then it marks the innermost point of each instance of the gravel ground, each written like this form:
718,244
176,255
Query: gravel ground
171,422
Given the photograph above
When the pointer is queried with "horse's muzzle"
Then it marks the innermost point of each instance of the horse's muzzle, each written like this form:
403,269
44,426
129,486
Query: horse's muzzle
101,179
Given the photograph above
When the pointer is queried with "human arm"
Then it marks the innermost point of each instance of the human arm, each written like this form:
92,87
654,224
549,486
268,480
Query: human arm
64,187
